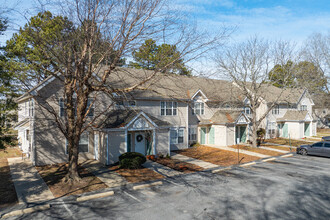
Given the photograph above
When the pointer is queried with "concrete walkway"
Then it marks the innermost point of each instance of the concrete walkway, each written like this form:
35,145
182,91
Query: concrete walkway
201,163
274,149
161,169
29,185
240,150
110,178
280,145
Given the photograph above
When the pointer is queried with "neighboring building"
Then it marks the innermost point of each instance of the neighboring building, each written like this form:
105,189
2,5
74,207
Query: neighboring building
172,113
321,110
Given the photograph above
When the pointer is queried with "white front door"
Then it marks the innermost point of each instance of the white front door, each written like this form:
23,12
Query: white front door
96,146
140,143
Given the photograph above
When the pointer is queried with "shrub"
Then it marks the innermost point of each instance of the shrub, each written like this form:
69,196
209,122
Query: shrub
131,160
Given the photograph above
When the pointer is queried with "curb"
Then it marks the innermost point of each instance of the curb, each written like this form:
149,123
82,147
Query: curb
220,170
287,155
147,185
268,159
25,211
248,164
95,196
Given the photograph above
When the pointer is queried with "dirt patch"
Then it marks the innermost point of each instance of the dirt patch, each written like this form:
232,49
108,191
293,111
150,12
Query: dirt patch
9,152
280,148
257,150
178,165
284,141
137,175
8,195
54,174
216,156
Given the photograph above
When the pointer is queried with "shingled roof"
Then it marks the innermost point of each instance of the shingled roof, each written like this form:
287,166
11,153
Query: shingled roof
222,117
294,115
121,117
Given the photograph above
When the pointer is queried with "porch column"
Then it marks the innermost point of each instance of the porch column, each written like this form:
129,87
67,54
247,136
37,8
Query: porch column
154,141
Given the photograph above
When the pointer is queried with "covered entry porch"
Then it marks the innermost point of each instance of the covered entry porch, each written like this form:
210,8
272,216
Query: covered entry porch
132,131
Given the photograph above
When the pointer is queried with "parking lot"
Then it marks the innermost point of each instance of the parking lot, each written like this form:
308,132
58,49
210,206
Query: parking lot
288,188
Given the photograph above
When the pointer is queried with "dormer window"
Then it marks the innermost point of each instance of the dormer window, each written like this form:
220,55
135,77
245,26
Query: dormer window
303,108
247,110
276,110
198,108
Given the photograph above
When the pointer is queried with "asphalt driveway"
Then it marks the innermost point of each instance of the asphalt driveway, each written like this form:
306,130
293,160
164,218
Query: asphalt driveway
289,188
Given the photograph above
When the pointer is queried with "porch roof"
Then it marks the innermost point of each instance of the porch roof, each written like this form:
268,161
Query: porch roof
223,117
121,117
294,115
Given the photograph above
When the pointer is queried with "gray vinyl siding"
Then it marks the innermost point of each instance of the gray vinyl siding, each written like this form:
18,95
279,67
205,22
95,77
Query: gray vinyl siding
162,142
230,135
153,107
117,145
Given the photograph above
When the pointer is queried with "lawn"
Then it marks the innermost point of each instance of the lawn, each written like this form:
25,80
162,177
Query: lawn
8,195
178,165
284,141
53,175
216,156
257,150
137,175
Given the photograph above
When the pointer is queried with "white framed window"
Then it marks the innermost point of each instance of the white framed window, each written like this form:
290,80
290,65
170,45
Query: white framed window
61,104
168,108
176,135
31,107
90,106
83,144
303,108
247,110
276,110
192,133
198,108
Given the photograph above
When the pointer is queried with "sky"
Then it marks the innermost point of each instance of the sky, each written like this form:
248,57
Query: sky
291,20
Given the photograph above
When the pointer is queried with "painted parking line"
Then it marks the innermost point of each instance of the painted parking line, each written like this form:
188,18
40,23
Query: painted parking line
133,197
287,155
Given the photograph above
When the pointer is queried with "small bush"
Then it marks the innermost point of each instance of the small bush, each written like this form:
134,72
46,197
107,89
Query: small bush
131,160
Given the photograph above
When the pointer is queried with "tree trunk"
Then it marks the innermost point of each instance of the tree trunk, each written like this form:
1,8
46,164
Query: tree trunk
72,174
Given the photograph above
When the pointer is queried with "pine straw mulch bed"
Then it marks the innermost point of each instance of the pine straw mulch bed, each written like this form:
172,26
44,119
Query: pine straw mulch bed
257,150
178,165
137,175
284,141
8,195
53,176
279,147
216,156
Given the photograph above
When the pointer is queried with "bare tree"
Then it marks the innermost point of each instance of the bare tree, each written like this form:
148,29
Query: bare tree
317,51
248,64
85,59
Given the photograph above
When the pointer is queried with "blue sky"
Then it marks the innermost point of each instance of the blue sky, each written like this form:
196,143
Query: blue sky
289,20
